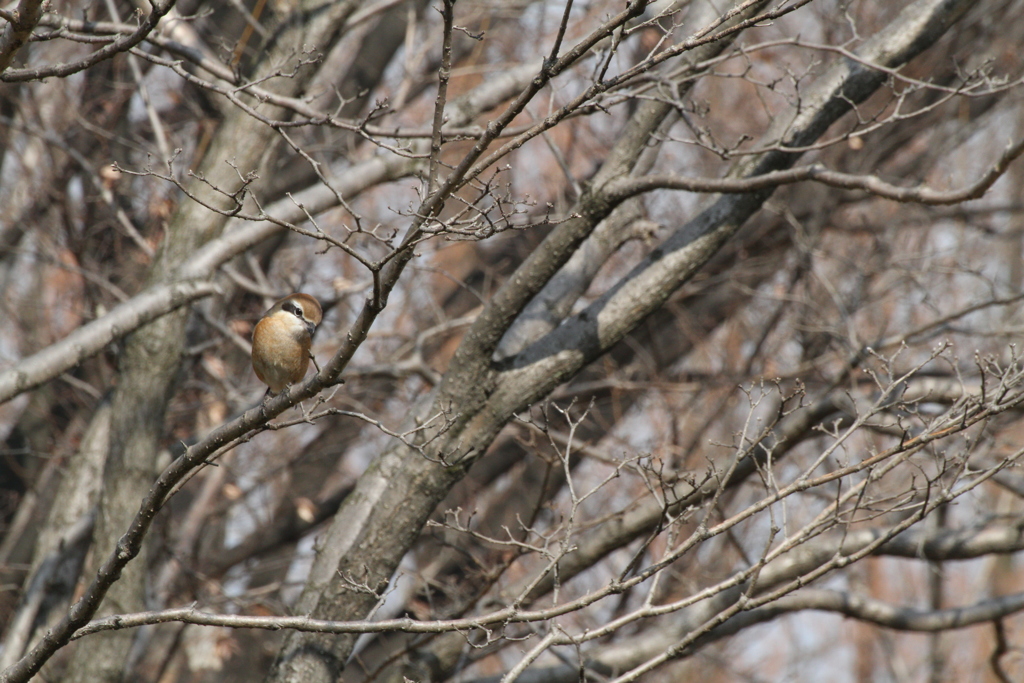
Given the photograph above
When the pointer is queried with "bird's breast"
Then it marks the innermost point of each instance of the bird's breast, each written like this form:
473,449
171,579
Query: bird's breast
280,352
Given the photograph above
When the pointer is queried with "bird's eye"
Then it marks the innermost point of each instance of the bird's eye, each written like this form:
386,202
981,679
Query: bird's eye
292,308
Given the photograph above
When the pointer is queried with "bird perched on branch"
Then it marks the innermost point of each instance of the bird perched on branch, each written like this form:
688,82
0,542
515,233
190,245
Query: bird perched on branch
282,339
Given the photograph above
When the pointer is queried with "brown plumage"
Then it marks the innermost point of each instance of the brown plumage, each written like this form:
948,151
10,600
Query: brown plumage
282,339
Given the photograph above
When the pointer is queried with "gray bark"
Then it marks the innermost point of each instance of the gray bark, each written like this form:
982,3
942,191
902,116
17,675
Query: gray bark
152,356
379,522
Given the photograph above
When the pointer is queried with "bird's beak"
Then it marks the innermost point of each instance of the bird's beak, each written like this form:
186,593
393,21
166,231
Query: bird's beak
311,328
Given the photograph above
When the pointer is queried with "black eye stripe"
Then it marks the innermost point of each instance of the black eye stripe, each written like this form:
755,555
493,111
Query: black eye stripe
292,308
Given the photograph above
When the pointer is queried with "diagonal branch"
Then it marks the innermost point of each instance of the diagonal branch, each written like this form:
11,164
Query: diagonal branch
18,29
120,44
90,339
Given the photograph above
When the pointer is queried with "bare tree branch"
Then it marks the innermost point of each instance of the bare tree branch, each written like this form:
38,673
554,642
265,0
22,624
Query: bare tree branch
121,44
20,24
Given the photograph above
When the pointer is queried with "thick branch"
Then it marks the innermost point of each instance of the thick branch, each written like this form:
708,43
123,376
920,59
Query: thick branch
18,30
120,44
90,339
379,521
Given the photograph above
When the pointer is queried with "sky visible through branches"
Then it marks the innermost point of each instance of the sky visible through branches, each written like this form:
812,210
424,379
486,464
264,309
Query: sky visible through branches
662,341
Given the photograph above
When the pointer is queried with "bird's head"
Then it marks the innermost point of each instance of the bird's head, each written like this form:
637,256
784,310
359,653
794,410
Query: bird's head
303,307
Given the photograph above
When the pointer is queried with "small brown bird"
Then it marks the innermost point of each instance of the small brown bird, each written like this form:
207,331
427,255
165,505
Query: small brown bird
282,338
